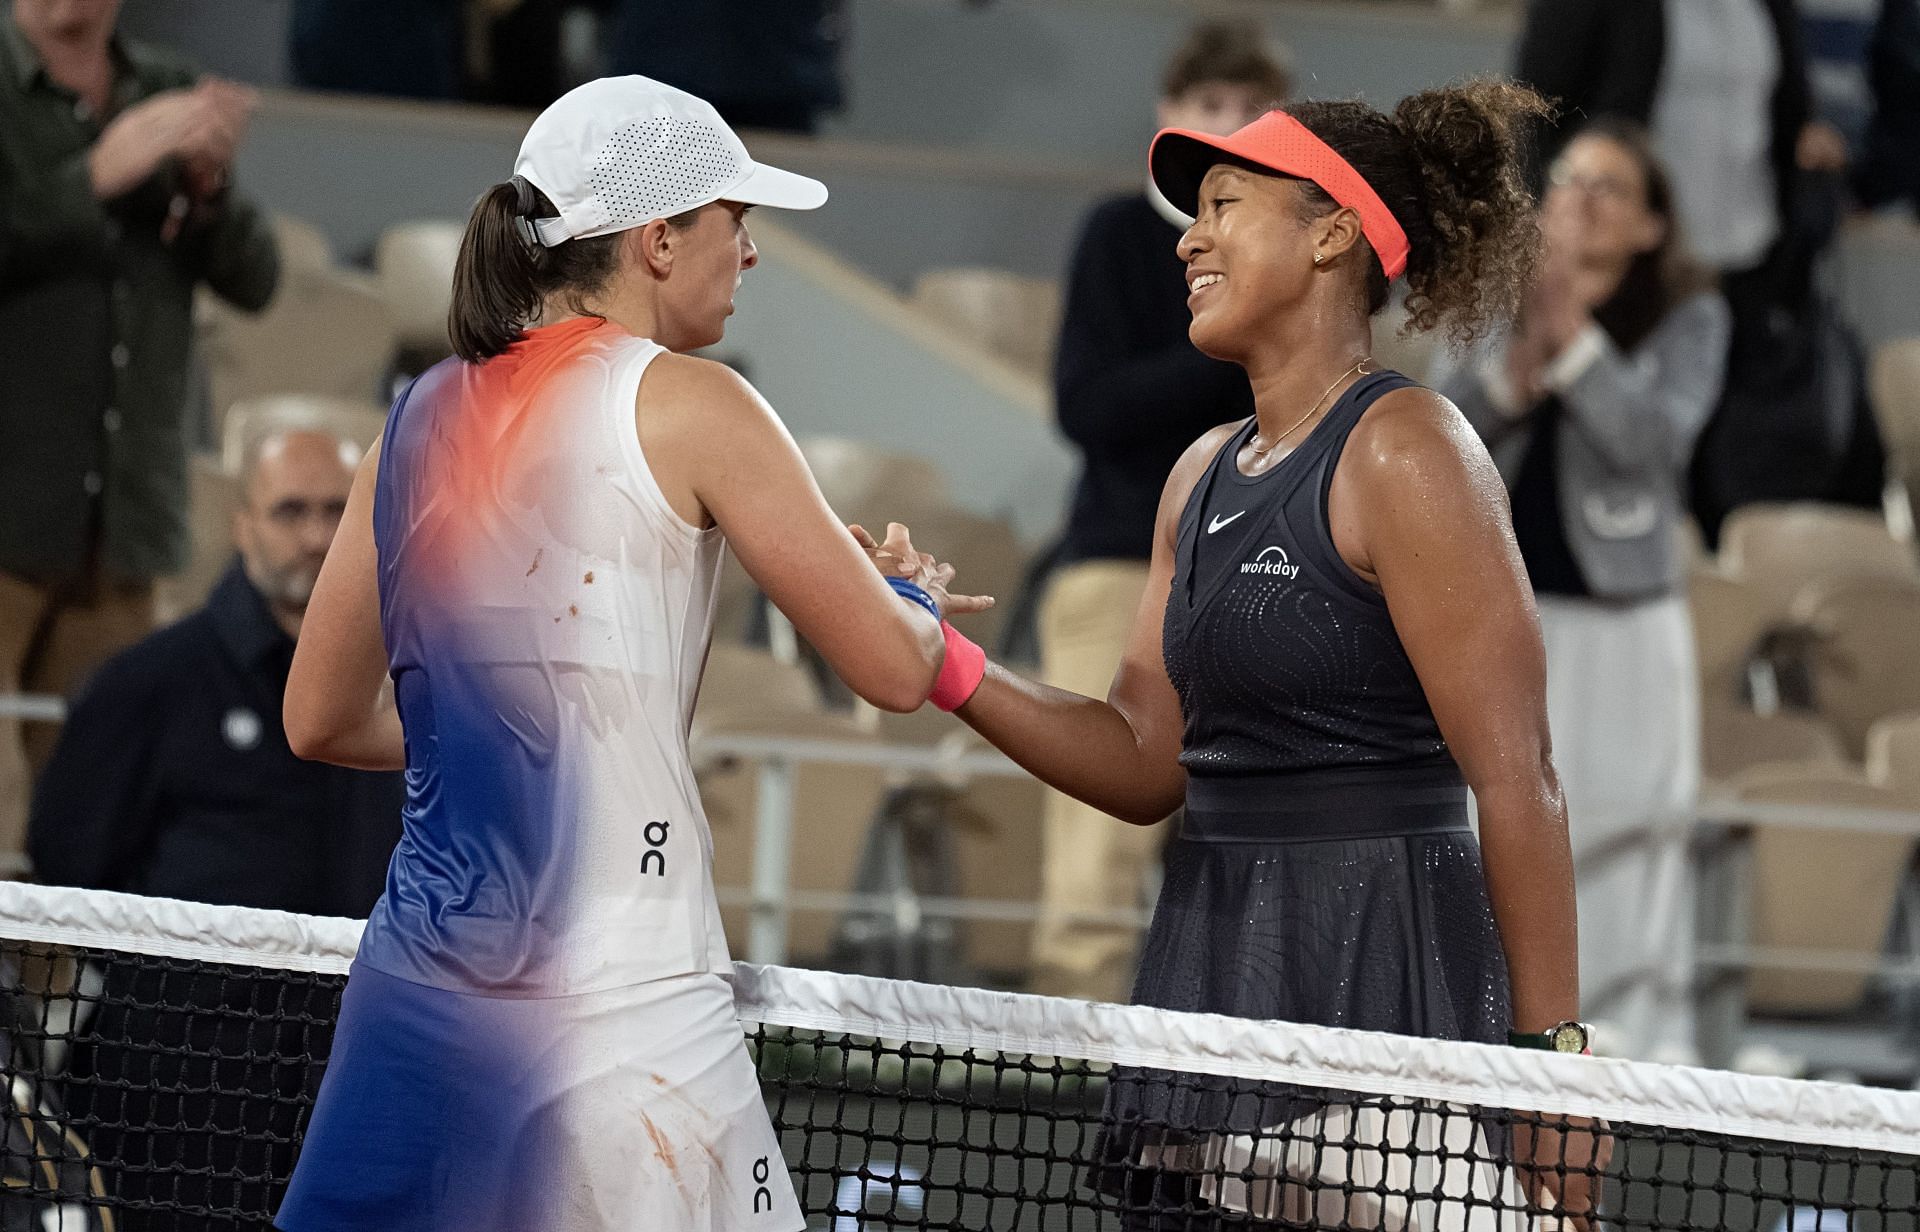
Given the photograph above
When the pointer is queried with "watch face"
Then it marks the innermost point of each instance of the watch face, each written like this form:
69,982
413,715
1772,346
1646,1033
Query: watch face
1569,1037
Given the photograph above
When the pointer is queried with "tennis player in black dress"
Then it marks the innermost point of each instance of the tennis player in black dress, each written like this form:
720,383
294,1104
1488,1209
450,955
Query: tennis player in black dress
1338,639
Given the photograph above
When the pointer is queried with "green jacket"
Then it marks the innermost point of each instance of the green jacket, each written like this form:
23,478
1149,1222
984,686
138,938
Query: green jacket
96,330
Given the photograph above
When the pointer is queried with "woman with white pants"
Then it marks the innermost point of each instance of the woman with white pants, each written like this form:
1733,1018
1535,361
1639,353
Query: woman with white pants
1590,404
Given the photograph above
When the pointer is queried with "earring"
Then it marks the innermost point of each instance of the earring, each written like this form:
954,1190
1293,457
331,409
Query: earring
1317,258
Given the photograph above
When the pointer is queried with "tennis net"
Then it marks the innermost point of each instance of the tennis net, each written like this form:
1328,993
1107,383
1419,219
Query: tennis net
161,1058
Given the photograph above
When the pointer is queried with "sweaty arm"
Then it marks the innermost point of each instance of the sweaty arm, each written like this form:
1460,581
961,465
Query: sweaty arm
338,707
1121,755
1418,509
718,451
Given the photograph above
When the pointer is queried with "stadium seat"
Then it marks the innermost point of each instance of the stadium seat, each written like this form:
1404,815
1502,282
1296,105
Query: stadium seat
1735,739
1895,384
304,248
873,486
746,691
1864,662
1729,619
324,333
1015,316
1781,548
1895,381
1893,755
413,263
1824,890
995,827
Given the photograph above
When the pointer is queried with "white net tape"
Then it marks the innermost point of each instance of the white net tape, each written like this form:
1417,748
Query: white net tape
1708,1101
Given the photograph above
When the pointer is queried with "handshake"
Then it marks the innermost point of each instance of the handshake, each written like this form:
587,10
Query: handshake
897,558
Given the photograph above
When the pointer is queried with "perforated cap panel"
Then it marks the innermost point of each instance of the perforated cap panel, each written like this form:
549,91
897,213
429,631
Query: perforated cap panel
659,166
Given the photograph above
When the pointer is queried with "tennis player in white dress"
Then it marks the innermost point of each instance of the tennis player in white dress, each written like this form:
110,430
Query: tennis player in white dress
538,1031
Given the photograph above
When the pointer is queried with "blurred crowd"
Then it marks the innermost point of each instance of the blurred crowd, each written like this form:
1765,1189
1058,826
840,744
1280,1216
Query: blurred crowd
1681,356
769,64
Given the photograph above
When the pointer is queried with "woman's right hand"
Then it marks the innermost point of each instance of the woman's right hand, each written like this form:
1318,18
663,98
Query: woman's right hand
897,557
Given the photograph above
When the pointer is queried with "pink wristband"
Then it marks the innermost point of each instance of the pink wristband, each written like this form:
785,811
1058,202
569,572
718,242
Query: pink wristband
965,667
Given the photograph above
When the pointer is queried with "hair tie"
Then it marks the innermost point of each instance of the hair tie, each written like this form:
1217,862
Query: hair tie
522,196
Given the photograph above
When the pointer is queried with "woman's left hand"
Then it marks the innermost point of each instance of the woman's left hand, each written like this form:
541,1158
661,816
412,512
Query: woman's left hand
1561,1160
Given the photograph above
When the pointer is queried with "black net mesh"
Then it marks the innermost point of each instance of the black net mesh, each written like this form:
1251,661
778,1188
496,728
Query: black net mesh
169,1093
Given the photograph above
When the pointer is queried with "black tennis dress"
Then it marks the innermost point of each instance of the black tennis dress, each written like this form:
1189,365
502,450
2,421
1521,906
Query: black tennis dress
1325,871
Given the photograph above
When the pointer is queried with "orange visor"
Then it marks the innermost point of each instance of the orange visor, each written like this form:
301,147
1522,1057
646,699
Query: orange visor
1179,160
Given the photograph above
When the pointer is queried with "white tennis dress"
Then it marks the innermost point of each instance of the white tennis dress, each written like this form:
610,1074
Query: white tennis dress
538,1031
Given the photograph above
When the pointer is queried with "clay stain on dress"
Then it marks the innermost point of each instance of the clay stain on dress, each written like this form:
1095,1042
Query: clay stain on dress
662,1149
589,577
535,566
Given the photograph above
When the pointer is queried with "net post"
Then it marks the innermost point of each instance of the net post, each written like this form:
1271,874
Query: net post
772,861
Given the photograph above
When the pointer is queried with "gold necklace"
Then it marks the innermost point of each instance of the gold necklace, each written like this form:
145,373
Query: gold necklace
1262,451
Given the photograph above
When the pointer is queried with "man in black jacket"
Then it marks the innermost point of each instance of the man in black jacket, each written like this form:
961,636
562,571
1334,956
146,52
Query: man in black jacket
173,777
1131,393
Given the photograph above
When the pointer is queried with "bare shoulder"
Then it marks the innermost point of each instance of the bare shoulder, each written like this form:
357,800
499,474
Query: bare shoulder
1186,474
685,395
689,379
1199,455
1416,436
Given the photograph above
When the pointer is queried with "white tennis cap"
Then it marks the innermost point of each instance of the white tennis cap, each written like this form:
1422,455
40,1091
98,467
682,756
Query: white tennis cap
620,152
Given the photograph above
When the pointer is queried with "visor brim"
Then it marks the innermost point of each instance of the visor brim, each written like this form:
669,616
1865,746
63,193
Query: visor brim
1179,160
777,189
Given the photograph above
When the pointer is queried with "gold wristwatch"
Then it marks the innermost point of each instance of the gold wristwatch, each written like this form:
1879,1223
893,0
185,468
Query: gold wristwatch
1574,1037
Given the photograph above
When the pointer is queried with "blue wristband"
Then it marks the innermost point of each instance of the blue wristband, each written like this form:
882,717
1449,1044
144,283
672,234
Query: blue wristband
913,594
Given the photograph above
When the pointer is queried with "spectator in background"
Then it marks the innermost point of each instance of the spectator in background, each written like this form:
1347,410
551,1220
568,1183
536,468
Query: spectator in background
173,777
1890,166
1723,87
768,64
1131,393
402,48
1590,404
116,201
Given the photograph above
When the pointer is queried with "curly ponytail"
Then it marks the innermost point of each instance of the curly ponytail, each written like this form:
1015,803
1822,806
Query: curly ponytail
502,277
1450,165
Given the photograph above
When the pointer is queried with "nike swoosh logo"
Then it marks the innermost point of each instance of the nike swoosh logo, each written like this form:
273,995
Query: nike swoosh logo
1217,523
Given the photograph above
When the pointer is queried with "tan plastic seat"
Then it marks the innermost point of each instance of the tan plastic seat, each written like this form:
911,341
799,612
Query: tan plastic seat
1866,657
747,691
413,263
1015,316
996,824
251,419
1895,385
304,248
1734,740
1819,889
1893,755
1729,619
1783,548
873,486
324,333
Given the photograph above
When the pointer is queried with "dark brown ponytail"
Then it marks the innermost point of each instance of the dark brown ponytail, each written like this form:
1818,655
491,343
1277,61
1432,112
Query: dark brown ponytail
1449,164
503,277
